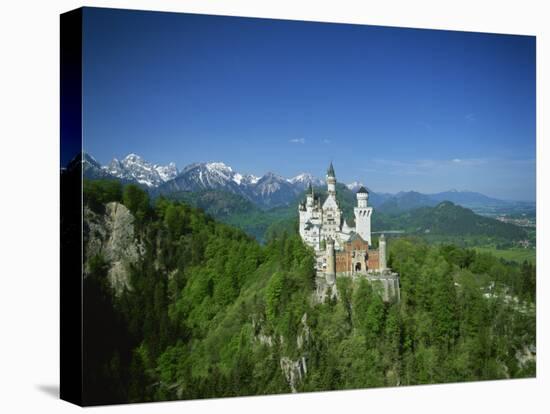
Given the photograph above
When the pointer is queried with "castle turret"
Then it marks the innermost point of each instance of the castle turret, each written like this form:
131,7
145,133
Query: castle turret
362,197
331,180
309,196
382,253
362,215
330,272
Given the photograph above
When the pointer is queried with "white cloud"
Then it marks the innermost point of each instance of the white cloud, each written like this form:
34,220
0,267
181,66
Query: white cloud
470,117
425,125
430,166
298,141
473,161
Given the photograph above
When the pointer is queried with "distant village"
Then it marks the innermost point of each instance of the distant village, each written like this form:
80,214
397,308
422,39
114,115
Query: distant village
521,222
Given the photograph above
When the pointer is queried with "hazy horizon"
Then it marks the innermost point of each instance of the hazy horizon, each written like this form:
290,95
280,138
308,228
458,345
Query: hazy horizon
321,176
397,109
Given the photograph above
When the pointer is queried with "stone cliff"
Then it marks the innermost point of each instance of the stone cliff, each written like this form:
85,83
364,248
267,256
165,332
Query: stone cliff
112,235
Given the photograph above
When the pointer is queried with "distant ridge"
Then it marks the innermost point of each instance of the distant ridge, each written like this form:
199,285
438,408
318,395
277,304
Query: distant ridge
469,198
449,219
267,191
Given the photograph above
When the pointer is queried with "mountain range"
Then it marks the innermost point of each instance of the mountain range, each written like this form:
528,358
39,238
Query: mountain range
131,169
262,206
268,191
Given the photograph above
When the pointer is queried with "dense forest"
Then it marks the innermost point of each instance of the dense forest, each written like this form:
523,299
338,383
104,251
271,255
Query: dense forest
239,212
210,312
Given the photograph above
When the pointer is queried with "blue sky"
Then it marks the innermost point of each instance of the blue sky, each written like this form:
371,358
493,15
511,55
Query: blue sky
398,109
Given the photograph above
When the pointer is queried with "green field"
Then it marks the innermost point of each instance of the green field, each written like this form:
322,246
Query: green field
515,254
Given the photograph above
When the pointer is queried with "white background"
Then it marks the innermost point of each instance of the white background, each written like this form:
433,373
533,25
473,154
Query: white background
29,246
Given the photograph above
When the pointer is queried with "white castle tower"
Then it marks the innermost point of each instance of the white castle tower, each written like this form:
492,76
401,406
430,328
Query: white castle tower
362,215
331,212
382,263
342,250
330,272
331,181
319,222
309,197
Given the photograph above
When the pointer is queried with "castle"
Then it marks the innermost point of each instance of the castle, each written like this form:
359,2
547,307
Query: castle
342,250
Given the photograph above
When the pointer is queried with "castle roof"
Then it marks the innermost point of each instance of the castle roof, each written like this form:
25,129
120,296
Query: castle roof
362,190
355,236
345,227
310,188
330,171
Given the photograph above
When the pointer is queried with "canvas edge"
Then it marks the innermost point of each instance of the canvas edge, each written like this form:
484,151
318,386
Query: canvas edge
71,358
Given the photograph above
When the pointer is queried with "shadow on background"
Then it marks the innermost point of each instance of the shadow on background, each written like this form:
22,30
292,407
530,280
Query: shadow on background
51,389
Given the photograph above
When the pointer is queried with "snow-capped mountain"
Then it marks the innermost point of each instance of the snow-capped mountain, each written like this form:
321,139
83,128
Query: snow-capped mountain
268,190
354,186
88,162
245,179
91,168
167,172
135,168
204,176
273,190
302,180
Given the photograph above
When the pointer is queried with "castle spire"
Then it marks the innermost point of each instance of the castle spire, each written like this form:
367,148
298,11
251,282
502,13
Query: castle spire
330,171
331,180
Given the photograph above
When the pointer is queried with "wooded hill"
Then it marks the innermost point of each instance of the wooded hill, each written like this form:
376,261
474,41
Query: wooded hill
448,219
210,312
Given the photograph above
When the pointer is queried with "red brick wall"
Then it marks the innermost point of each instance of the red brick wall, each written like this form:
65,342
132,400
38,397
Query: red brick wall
372,261
343,262
356,245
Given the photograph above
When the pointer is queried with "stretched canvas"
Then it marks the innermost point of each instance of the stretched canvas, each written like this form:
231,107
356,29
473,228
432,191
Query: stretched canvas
259,206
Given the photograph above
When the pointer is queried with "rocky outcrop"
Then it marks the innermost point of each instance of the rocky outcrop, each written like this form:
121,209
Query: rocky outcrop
304,334
294,371
324,290
526,355
112,235
265,339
